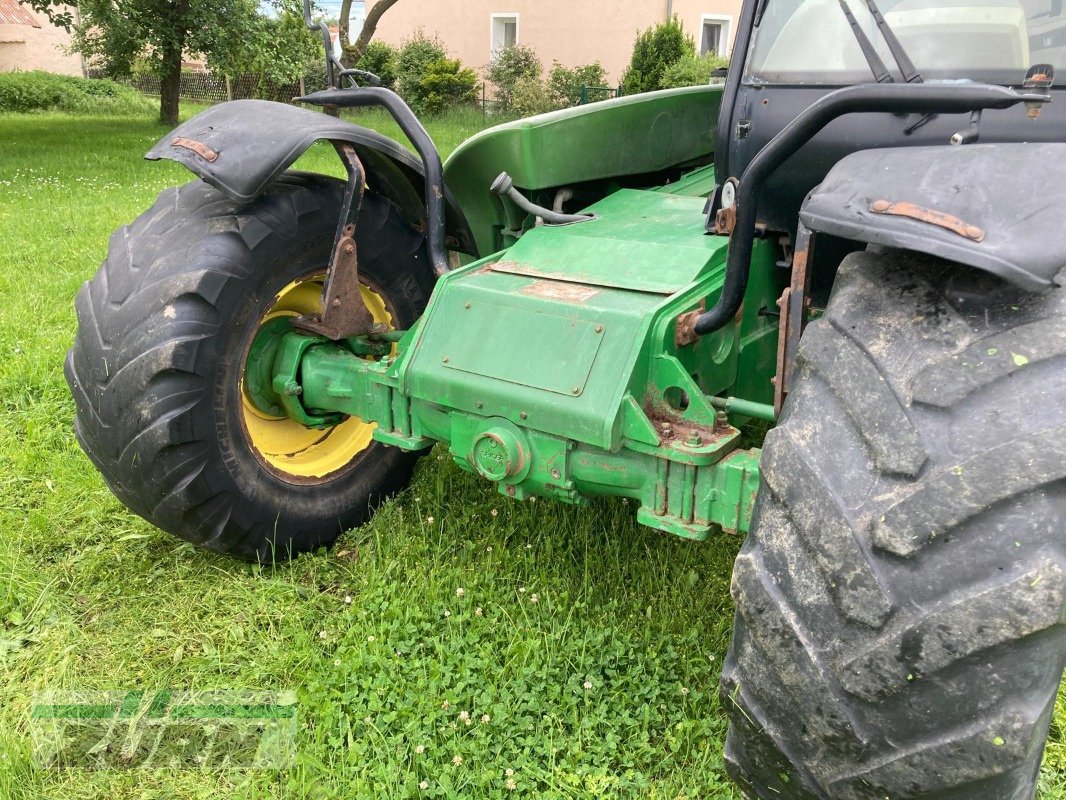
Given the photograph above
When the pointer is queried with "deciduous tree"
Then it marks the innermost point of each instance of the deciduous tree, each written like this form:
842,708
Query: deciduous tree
117,34
354,52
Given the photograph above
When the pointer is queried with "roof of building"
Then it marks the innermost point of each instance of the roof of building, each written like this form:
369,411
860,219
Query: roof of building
11,13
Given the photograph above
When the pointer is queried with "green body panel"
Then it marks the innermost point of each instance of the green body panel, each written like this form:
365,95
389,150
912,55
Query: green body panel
643,241
629,136
554,368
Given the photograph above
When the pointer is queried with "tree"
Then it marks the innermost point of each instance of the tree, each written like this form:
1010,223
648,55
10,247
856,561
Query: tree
278,48
118,33
355,51
655,50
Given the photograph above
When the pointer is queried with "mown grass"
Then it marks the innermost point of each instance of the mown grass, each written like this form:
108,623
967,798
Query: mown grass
552,597
452,600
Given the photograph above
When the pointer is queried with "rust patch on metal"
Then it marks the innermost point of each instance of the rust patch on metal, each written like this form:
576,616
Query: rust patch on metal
725,220
794,304
201,149
344,312
930,216
559,290
685,332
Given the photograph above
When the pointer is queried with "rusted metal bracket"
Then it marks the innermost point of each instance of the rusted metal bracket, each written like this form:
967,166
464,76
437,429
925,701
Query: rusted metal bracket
930,216
201,149
344,312
685,332
794,303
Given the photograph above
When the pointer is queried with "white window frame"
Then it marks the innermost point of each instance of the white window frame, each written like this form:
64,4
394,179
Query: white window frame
507,15
726,22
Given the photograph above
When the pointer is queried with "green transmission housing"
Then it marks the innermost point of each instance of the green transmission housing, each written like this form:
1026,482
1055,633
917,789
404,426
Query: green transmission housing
555,367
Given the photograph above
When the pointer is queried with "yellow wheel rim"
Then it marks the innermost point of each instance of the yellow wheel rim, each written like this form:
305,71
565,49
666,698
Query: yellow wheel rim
285,445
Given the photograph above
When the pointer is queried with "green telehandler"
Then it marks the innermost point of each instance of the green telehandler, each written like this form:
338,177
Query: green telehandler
858,240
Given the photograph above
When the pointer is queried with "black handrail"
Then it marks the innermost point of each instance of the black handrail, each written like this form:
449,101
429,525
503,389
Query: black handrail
423,144
920,98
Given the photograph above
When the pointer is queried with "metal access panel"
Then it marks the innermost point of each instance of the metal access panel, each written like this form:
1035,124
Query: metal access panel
565,347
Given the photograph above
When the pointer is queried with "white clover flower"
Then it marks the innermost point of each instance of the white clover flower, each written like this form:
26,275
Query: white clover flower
494,512
464,716
420,749
510,784
477,611
586,685
457,760
322,634
533,598
509,772
447,613
371,638
485,719
347,599
460,592
429,520
684,690
423,785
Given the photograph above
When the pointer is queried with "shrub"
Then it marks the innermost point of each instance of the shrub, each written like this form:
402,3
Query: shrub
412,62
508,67
655,50
381,59
45,91
692,70
529,96
565,83
447,84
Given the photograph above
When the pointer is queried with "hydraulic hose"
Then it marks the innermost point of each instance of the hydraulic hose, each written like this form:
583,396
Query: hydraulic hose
504,187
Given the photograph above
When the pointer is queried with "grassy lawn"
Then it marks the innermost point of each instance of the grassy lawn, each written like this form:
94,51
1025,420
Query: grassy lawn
447,642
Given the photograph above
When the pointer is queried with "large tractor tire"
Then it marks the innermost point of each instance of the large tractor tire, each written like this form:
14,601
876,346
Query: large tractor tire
157,367
900,595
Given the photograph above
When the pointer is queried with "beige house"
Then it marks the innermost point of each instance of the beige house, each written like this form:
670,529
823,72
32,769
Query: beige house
29,41
569,31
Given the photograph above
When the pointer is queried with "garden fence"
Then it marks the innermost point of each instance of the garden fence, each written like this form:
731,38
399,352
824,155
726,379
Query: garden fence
209,88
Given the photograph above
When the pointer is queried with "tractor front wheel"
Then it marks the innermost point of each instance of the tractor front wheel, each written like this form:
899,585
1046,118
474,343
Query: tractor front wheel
157,369
900,595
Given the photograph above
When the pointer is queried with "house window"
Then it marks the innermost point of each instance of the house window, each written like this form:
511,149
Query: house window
504,32
715,30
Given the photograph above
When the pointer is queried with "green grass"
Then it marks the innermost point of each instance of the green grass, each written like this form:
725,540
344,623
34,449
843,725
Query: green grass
382,648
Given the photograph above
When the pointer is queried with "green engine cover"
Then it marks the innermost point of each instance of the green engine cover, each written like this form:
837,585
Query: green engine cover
554,336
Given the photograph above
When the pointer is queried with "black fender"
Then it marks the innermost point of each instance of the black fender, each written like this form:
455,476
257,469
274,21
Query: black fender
996,207
241,146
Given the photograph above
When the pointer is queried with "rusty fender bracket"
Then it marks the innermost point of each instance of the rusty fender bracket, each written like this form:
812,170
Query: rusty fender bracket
241,146
995,207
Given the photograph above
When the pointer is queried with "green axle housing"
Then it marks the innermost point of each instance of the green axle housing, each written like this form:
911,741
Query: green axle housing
556,368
